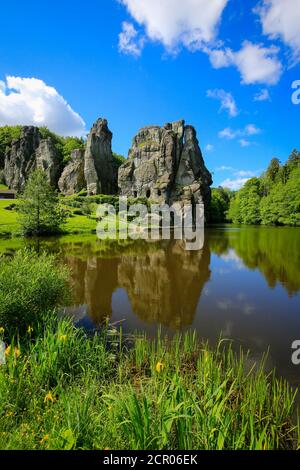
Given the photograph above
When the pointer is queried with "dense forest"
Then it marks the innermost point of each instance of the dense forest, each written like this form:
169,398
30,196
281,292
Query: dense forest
271,199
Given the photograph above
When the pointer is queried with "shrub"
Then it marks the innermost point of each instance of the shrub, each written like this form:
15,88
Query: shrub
31,285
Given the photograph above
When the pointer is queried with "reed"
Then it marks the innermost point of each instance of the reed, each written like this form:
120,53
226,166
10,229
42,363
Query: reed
61,389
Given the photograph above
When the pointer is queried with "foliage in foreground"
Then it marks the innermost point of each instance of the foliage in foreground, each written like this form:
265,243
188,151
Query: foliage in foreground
30,285
64,390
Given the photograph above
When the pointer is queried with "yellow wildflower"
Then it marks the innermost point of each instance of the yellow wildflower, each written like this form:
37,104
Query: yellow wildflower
45,439
159,366
29,330
49,398
63,338
17,352
2,330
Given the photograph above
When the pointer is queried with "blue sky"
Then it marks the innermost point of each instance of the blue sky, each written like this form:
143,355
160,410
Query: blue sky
225,66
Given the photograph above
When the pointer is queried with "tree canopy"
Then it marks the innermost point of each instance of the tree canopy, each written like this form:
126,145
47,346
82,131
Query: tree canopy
272,199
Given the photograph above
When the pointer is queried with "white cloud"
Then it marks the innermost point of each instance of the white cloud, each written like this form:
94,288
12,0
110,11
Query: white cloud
256,63
245,173
244,143
228,133
29,101
251,129
225,168
262,95
238,173
281,19
129,41
231,134
220,58
227,101
209,148
234,184
190,23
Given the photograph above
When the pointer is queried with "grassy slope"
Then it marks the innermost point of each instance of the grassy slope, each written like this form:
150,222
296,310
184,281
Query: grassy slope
8,219
67,391
76,224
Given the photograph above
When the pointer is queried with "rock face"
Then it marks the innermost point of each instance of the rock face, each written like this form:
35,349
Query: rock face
20,158
165,164
99,167
28,153
72,179
47,159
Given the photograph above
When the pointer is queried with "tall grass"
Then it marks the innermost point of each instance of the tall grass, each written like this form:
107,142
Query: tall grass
65,390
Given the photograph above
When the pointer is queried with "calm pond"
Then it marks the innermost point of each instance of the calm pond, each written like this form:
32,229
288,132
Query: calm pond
243,284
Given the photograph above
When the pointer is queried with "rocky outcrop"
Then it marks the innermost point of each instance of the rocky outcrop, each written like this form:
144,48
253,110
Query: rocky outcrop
47,159
72,179
28,153
99,167
20,158
165,164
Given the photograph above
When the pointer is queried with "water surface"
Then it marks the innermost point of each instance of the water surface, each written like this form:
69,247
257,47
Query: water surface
243,284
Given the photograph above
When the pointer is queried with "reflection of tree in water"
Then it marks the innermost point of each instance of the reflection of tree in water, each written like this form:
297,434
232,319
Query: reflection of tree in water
163,282
274,251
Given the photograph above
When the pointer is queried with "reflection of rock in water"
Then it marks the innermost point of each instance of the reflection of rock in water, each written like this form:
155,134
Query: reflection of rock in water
163,285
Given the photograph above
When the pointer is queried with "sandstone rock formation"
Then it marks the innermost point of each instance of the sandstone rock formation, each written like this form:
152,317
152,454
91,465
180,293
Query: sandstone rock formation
28,153
47,159
165,164
19,159
99,167
72,179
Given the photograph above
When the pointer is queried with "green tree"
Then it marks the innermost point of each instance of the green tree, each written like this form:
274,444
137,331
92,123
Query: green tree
40,212
282,205
118,159
68,145
7,135
272,199
273,169
63,145
245,207
220,202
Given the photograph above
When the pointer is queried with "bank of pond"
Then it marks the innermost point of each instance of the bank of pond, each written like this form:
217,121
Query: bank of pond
63,386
